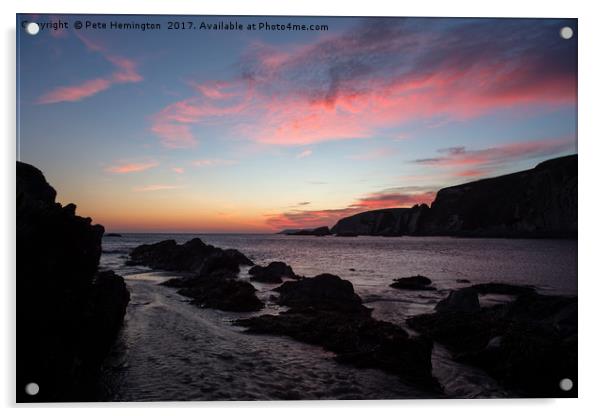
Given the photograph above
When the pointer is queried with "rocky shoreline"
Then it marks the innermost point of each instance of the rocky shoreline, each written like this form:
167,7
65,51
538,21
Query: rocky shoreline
528,343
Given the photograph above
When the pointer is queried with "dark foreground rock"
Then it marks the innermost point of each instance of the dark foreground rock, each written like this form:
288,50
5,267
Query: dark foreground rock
413,283
463,300
325,291
272,273
218,291
67,313
529,344
192,256
535,203
326,311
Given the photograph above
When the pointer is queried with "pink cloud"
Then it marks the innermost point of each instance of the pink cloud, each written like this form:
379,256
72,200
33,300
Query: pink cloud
178,170
75,92
154,188
355,84
125,72
130,167
173,123
393,198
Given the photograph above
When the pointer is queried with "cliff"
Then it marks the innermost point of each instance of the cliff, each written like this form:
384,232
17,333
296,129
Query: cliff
539,202
68,313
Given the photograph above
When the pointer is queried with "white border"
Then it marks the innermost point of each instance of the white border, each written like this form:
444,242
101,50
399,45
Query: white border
590,93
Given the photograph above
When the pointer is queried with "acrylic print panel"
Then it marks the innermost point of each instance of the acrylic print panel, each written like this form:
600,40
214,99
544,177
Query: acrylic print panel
295,208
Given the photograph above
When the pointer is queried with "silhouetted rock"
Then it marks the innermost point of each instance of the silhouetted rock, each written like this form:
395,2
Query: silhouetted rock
539,202
272,273
67,313
383,222
192,256
462,300
218,291
529,344
502,289
413,283
109,300
325,310
113,235
320,231
462,281
325,291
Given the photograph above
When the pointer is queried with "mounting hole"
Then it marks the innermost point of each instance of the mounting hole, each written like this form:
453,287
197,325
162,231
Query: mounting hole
566,384
32,28
32,389
566,33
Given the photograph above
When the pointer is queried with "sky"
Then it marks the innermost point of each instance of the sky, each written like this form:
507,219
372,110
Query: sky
190,130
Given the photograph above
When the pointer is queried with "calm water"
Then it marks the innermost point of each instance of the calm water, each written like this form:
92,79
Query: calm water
171,350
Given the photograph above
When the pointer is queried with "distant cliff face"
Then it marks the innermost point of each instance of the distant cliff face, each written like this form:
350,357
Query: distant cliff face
385,222
540,202
68,313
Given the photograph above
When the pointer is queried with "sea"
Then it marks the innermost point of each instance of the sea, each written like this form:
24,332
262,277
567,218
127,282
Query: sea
170,350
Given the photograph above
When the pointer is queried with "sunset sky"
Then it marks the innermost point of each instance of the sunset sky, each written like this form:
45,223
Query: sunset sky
256,131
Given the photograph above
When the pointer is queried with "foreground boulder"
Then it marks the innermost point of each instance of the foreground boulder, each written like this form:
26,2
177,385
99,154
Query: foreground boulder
325,292
528,344
192,256
326,311
272,273
67,313
463,300
413,283
218,291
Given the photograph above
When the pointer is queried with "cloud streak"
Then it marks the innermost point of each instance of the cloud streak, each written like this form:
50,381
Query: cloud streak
471,163
155,188
131,167
389,198
124,72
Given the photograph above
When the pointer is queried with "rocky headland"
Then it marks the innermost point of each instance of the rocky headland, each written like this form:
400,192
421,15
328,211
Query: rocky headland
536,203
68,312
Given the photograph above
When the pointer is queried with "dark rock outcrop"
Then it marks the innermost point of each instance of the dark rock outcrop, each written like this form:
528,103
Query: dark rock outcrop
326,311
413,283
529,344
272,273
212,281
325,291
539,202
67,313
463,300
319,232
218,290
192,256
502,289
383,222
